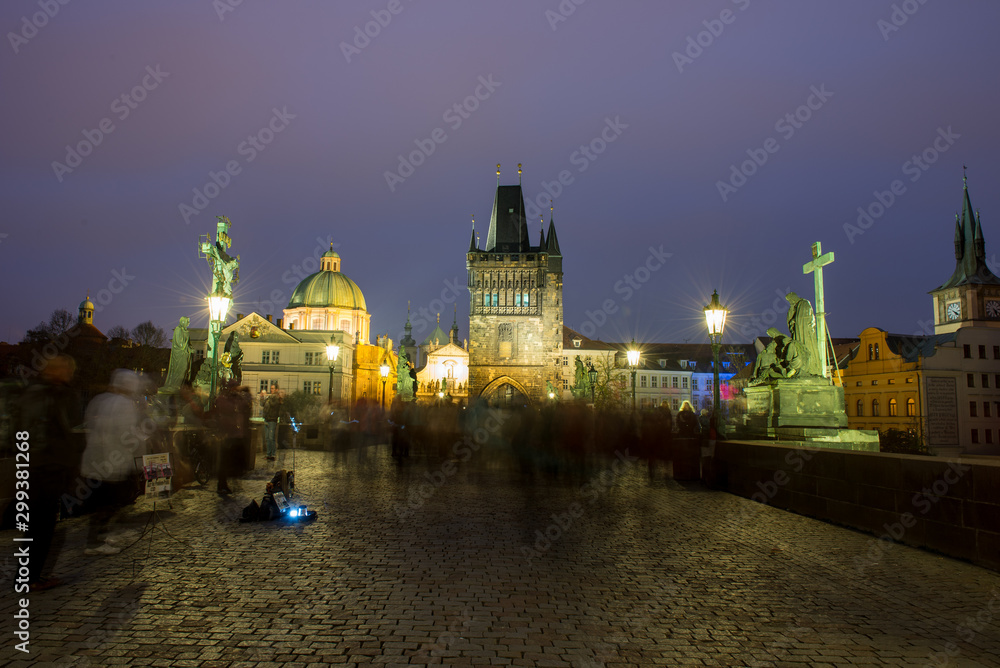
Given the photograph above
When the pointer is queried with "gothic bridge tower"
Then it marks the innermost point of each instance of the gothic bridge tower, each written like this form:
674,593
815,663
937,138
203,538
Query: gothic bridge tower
516,307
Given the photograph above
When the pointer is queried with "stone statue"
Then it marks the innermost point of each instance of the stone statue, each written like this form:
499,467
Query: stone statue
180,358
779,359
404,382
234,358
581,387
802,328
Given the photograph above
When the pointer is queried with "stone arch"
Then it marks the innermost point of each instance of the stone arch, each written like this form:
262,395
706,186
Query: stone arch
497,383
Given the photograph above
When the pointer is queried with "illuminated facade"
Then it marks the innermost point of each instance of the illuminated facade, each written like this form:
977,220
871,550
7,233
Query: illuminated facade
516,308
329,301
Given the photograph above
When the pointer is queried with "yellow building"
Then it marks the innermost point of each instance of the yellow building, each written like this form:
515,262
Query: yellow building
882,382
369,384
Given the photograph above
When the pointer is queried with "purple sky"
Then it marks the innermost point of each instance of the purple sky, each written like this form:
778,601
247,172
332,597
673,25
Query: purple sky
556,86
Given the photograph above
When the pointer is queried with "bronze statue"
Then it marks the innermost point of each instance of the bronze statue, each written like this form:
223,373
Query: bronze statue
793,356
404,381
225,268
180,358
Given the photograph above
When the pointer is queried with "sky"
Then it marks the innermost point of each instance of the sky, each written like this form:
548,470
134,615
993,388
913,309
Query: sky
686,146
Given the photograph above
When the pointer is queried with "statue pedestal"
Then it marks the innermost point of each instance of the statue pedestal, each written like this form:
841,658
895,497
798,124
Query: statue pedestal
803,410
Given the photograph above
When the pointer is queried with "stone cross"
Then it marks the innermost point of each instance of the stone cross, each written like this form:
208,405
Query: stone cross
816,268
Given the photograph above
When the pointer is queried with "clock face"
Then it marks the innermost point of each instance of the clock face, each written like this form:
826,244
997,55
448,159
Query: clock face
954,311
992,308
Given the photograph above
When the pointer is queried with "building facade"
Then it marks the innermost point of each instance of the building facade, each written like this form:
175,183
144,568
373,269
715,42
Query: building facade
945,387
516,307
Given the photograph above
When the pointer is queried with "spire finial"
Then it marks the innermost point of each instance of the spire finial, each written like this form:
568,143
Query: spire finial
498,174
439,318
407,309
518,173
551,209
965,177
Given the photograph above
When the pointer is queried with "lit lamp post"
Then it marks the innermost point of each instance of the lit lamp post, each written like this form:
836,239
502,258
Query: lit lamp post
332,350
218,308
592,375
715,316
633,362
384,371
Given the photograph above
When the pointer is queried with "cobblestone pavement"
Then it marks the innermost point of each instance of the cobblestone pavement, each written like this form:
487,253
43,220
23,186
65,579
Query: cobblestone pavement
484,562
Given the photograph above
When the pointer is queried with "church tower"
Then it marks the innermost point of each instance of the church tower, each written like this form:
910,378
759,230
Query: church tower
972,294
516,308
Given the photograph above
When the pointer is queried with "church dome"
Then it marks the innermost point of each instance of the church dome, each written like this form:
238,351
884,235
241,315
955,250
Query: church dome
328,288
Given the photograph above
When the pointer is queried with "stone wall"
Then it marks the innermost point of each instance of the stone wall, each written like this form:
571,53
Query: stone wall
950,506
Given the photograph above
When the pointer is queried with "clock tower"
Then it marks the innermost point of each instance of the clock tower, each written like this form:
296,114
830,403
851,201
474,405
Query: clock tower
972,295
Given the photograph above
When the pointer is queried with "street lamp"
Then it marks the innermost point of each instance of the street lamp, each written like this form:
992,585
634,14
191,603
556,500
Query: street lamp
384,371
592,375
633,362
218,308
332,350
715,317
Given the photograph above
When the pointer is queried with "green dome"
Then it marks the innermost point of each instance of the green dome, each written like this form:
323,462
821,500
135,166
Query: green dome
328,288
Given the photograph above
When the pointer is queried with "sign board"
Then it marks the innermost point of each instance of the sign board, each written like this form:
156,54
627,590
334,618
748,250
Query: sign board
158,474
942,411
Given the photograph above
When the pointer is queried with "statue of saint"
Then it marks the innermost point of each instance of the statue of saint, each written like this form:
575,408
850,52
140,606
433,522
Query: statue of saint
404,382
581,379
802,328
180,358
225,268
234,358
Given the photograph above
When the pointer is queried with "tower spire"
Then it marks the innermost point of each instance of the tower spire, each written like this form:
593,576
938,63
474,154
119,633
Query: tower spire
474,241
552,246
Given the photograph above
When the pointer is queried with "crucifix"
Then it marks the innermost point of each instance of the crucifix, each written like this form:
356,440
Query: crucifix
816,268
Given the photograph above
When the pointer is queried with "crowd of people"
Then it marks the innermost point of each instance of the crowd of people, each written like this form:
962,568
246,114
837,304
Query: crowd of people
88,459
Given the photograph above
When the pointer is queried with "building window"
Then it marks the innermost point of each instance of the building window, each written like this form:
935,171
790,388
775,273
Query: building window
684,383
642,381
876,351
565,384
673,382
986,380
652,381
858,384
989,435
861,408
486,299
982,352
911,407
875,412
524,299
892,408
565,361
967,351
970,380
910,379
517,299
996,352
891,381
975,435
871,352
972,409
676,403
264,385
875,382
307,386
986,409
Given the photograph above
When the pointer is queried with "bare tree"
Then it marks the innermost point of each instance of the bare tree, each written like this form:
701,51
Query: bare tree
60,321
119,332
148,334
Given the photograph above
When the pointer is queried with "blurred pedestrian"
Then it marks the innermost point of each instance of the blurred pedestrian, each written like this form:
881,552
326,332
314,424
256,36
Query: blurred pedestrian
231,417
687,421
118,430
50,410
272,405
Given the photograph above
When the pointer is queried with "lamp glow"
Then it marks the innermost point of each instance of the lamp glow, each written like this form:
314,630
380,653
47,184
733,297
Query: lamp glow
715,316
